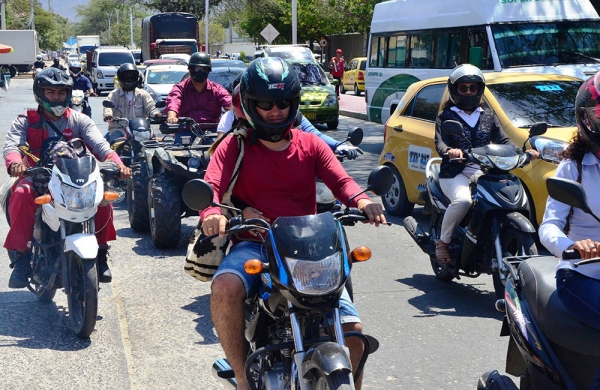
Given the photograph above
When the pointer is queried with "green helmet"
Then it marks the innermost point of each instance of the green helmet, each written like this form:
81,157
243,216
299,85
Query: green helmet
200,59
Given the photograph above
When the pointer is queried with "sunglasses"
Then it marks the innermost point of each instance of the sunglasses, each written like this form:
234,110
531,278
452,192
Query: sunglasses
267,106
200,68
471,88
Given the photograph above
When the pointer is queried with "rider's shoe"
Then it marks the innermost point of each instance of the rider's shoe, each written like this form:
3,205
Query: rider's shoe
21,265
104,274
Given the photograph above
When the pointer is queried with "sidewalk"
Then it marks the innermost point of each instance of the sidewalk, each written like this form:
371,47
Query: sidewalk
353,106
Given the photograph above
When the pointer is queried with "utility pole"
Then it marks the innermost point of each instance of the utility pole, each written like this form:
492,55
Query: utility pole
3,14
206,26
32,13
294,22
131,27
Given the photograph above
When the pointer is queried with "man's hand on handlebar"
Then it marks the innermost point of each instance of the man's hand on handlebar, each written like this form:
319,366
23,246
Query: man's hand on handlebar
351,152
124,172
455,153
373,211
172,117
213,224
588,249
107,118
17,169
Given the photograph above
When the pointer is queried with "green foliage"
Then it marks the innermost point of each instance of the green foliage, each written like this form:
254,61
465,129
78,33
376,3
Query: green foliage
242,56
215,32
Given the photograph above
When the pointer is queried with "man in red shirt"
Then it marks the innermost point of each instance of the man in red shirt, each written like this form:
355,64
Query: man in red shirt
197,97
277,178
337,64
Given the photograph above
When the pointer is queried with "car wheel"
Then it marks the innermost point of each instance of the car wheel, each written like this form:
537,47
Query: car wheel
395,200
356,91
342,89
333,125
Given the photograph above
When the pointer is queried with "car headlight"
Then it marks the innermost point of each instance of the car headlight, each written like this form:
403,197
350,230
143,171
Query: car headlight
505,163
78,198
330,100
99,75
550,149
316,277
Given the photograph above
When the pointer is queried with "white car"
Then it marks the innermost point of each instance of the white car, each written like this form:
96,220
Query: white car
73,57
159,79
180,56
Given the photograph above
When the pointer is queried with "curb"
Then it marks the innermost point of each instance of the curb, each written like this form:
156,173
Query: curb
354,114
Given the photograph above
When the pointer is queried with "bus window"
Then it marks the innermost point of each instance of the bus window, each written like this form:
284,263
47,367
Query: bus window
447,52
376,57
397,52
420,50
478,39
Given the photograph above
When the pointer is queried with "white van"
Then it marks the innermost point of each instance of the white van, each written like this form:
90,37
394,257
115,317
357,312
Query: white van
287,52
106,60
407,44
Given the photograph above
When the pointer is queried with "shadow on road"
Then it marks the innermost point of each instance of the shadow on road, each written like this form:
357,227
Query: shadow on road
204,325
451,298
27,323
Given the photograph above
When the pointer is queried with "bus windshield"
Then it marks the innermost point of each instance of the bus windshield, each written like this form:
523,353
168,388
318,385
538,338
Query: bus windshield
534,44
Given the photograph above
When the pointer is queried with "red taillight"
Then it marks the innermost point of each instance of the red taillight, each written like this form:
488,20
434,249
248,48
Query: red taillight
361,76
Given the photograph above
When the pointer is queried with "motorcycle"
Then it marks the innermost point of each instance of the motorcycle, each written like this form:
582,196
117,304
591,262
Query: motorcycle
497,223
291,345
36,71
325,199
548,348
79,102
64,247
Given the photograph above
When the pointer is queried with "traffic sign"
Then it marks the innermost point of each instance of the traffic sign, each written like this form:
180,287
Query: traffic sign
269,33
323,42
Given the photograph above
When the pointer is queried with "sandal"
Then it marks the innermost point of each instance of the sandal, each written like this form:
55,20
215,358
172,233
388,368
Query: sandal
441,253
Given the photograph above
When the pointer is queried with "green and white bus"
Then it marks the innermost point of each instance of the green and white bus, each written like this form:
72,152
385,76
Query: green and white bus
411,41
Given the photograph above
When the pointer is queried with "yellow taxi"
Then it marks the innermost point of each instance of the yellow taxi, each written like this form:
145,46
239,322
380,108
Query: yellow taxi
354,76
518,99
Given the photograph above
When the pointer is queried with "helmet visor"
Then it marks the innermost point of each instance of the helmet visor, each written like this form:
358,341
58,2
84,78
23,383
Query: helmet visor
593,118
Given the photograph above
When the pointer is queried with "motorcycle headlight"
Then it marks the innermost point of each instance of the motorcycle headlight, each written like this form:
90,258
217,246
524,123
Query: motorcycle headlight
505,163
316,277
141,136
550,149
193,162
77,100
324,194
330,100
78,198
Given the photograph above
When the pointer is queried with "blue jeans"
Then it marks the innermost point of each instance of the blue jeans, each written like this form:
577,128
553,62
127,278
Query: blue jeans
580,294
233,263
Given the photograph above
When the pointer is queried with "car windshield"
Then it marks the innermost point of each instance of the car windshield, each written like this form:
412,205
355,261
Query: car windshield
165,76
115,59
224,78
228,63
529,102
291,53
310,73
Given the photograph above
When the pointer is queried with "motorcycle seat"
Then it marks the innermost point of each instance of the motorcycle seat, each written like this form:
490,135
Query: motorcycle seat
433,183
558,325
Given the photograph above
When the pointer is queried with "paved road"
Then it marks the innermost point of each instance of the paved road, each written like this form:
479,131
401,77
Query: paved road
154,330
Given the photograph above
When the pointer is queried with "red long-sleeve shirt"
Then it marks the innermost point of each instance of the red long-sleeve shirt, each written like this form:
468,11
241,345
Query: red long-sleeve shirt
279,183
203,107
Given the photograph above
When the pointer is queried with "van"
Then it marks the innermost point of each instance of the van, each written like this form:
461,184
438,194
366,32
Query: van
106,60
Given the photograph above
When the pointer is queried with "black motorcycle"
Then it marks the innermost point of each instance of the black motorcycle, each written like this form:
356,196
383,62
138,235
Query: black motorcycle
549,349
496,226
291,344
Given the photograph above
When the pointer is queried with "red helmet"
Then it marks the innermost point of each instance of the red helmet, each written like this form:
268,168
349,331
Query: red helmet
587,112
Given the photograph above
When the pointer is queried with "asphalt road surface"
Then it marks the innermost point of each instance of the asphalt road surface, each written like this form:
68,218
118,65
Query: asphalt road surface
154,329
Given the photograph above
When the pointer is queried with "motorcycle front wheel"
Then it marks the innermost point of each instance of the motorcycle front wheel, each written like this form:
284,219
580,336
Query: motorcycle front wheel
137,198
337,380
514,243
83,295
164,211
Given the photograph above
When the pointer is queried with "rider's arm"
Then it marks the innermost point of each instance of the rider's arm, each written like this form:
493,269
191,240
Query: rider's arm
498,135
223,96
173,102
308,127
107,113
440,145
226,122
149,104
16,136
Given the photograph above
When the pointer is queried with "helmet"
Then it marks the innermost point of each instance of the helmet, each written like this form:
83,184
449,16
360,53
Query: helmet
269,79
52,78
56,60
128,76
200,59
38,57
587,113
236,81
466,73
74,68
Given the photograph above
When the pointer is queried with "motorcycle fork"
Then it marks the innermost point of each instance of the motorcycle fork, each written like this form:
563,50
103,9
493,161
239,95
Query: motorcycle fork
300,352
67,228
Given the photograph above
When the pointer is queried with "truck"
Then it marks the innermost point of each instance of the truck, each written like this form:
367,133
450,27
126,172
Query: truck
169,32
87,43
25,46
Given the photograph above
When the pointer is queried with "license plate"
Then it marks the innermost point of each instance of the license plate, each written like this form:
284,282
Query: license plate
310,115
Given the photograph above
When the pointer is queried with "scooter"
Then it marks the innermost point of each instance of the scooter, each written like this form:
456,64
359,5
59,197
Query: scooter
497,224
548,349
79,102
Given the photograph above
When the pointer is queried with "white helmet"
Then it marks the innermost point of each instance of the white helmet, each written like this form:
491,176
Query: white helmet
38,57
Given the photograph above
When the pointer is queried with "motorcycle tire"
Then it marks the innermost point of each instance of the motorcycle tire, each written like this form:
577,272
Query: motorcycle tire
137,198
337,380
164,204
83,297
513,242
441,272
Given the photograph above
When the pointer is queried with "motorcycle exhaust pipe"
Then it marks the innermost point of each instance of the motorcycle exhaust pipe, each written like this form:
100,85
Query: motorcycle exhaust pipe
417,234
223,373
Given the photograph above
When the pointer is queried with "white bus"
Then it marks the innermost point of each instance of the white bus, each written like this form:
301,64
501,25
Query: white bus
411,41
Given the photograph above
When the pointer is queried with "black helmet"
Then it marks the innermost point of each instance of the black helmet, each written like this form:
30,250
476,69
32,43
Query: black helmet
56,60
52,78
466,73
236,81
200,59
587,113
128,76
269,79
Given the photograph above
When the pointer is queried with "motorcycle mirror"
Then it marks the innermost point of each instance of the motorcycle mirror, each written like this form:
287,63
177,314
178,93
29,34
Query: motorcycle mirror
161,104
197,194
380,180
569,192
108,104
453,128
538,128
355,136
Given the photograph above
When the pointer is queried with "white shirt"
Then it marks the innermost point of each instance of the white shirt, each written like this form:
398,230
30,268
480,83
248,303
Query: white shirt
226,122
582,225
471,118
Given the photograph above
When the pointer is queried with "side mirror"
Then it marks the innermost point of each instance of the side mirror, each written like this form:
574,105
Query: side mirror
380,180
93,64
355,136
568,192
108,104
453,128
197,194
538,128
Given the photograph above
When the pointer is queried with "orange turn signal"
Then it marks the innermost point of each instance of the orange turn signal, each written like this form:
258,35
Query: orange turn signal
362,253
44,199
109,195
253,267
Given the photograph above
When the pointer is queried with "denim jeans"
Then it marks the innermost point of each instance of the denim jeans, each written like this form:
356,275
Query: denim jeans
580,294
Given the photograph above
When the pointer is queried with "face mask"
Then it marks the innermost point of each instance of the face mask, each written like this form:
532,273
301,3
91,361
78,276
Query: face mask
198,76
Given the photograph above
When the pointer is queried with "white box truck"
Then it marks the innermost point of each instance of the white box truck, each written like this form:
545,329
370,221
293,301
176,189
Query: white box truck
87,42
25,46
